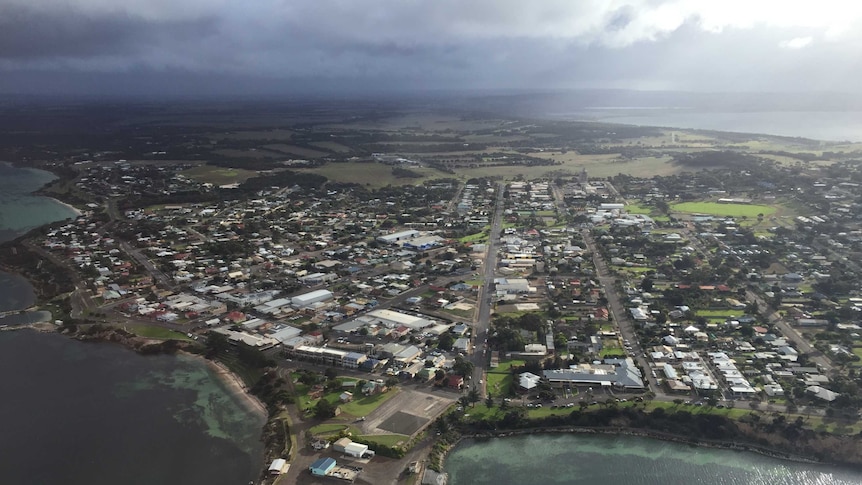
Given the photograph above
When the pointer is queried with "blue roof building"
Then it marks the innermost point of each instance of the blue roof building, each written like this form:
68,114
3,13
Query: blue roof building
322,467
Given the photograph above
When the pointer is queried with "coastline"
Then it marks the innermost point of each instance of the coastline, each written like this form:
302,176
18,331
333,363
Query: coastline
645,433
235,386
78,212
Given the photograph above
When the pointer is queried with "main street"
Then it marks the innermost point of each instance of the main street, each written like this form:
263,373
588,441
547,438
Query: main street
618,313
482,321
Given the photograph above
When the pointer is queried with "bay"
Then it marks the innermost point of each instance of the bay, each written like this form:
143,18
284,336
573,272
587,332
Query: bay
816,125
20,210
607,459
98,414
16,293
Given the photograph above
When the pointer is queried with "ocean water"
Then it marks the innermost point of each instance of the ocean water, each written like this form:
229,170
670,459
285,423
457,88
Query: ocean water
98,414
78,413
605,459
16,293
20,211
816,125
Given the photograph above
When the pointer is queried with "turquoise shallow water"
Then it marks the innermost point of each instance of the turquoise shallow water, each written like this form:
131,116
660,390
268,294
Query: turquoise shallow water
604,459
20,211
76,413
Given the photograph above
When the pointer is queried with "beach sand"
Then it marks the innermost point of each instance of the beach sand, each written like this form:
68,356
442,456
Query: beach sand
237,387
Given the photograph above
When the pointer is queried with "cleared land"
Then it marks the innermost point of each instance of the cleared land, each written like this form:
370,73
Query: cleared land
372,174
724,210
218,175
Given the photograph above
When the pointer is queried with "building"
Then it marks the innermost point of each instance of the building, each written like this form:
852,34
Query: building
310,298
322,467
278,466
528,380
356,450
614,372
398,237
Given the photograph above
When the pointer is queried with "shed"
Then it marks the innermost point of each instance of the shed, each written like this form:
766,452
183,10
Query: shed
355,450
322,467
278,466
341,445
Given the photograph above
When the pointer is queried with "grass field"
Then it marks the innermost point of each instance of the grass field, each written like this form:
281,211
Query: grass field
328,428
724,210
218,175
373,175
295,150
500,378
365,405
390,440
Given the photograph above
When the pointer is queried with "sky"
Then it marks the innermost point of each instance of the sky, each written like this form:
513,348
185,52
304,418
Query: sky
356,46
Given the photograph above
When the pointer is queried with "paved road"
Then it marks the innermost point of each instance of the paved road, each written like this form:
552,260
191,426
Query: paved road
480,357
802,344
620,316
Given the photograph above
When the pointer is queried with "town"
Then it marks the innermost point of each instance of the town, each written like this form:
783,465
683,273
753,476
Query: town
387,315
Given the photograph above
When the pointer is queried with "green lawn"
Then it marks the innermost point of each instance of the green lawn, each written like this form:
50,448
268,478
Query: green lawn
152,331
218,175
365,405
724,210
479,237
390,440
719,313
500,379
327,428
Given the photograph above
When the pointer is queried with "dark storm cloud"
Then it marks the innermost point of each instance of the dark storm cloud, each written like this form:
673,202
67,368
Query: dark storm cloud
30,34
453,44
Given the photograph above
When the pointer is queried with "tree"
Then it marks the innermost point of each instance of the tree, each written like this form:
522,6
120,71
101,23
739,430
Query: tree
489,402
330,373
445,341
647,284
473,396
324,409
216,344
462,366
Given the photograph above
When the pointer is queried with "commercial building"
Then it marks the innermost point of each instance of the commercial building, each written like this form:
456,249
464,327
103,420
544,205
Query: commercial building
312,297
613,372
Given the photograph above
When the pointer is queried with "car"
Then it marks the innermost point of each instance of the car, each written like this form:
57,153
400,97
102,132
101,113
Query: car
481,381
570,405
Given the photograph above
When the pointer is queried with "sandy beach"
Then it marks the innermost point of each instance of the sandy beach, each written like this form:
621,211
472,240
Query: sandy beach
237,387
69,206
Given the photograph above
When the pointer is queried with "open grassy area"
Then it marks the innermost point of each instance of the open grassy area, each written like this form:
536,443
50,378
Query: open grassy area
365,405
724,210
328,428
719,313
218,175
373,175
479,237
152,331
500,379
390,440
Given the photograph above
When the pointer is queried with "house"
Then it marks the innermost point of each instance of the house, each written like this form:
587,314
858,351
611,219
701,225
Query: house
320,444
822,393
322,467
455,381
346,396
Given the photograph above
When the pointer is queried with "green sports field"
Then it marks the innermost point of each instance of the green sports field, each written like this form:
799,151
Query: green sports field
725,210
